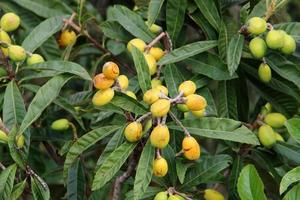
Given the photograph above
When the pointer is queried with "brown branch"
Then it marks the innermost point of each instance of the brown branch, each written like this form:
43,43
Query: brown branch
11,73
186,132
156,40
52,153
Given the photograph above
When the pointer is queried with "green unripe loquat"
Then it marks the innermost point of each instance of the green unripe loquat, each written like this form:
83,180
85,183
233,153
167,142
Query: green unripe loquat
211,194
278,137
275,39
276,120
174,197
256,25
154,28
289,45
10,22
20,141
266,136
16,53
3,137
34,59
4,37
60,125
264,73
258,47
182,107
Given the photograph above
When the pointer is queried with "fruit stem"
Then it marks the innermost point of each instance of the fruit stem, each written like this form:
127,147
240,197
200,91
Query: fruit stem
154,41
186,132
177,98
143,117
269,26
157,152
74,130
183,195
2,166
164,119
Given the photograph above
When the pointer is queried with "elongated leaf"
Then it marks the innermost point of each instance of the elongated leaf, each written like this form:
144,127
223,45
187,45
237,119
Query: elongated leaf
216,72
144,171
16,155
46,94
18,190
84,142
219,128
62,66
150,192
154,10
114,30
39,9
293,194
132,22
76,182
114,142
42,32
205,169
291,28
289,151
187,51
112,164
293,127
234,52
181,169
223,40
142,69
250,186
172,78
210,12
7,178
175,17
227,101
237,166
169,154
289,178
39,191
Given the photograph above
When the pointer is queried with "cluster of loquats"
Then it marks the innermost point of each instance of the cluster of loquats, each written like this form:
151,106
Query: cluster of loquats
272,121
273,39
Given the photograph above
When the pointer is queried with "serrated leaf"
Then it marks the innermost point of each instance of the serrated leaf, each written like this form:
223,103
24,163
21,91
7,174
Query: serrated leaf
172,78
154,10
84,142
76,182
142,69
291,28
293,194
112,164
7,178
175,17
187,51
132,22
45,95
219,128
216,72
62,66
234,52
205,169
144,171
43,32
250,186
39,191
289,178
210,12
293,127
18,190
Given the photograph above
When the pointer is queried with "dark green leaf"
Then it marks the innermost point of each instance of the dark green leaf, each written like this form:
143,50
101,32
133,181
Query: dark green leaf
234,52
227,101
291,28
14,152
76,182
289,151
7,178
114,30
187,51
173,79
144,171
39,190
154,10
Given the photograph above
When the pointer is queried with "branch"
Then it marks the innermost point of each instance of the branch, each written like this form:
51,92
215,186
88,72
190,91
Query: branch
156,40
2,166
186,132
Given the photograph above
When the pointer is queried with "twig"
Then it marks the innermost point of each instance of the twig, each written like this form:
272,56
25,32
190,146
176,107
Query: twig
121,179
186,132
128,116
143,117
156,40
2,166
157,153
30,172
158,71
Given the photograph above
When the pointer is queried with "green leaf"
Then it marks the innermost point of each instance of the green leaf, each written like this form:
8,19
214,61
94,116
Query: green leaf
40,9
142,69
62,66
234,52
43,32
154,10
84,142
76,182
250,186
16,155
216,72
46,94
181,169
259,10
132,22
175,17
144,171
206,168
187,51
227,100
293,127
172,78
18,190
13,106
289,178
114,30
114,142
291,28
39,191
127,103
219,128
112,164
293,194
150,192
289,151
223,40
210,12
7,178
237,166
